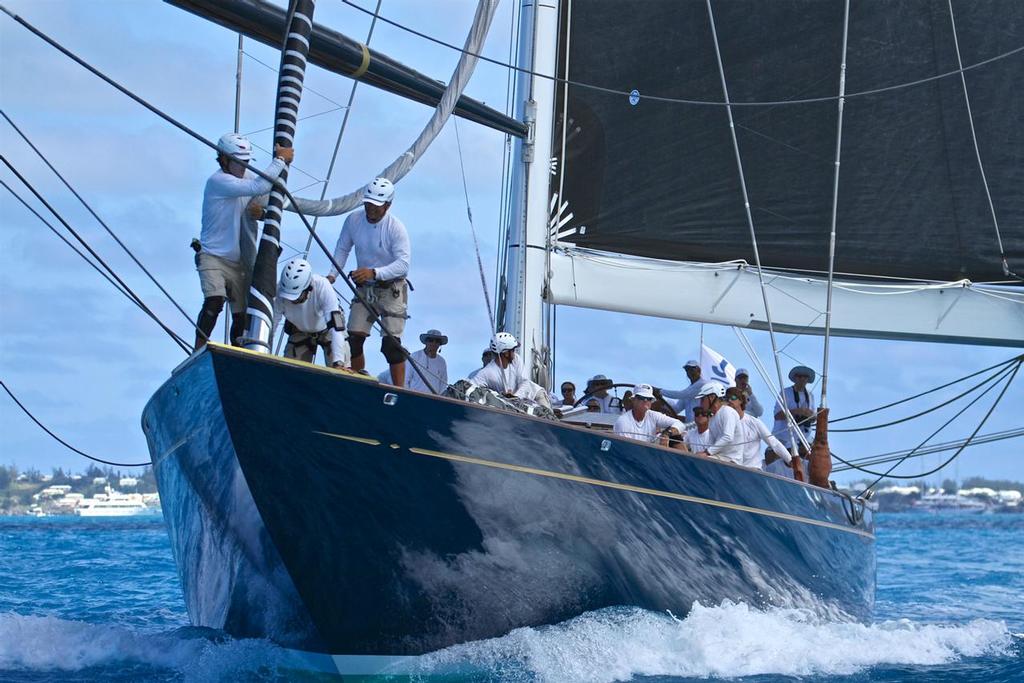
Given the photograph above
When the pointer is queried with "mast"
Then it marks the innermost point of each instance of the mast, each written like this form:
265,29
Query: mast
260,308
528,234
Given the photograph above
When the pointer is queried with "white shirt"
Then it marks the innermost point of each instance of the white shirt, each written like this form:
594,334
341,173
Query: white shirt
753,432
313,315
385,376
725,436
646,429
224,200
609,404
383,246
697,441
781,427
435,370
687,399
510,379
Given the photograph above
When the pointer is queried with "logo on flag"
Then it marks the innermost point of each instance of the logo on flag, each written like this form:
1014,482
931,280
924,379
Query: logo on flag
715,367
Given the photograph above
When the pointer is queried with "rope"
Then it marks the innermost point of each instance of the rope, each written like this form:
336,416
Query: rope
62,441
929,391
750,224
994,377
178,340
967,442
341,131
882,458
99,220
977,151
710,103
212,145
472,231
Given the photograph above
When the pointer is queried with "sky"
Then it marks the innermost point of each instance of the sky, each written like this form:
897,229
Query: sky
85,361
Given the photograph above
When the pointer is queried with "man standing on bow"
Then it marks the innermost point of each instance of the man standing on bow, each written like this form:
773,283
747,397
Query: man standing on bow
431,364
382,264
222,275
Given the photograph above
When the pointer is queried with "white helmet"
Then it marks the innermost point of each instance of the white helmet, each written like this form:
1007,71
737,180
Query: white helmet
380,192
295,279
503,341
711,389
235,146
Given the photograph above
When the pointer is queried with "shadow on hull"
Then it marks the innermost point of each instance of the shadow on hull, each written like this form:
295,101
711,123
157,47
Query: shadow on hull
304,508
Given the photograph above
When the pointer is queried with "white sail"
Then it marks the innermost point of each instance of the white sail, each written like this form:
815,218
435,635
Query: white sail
729,294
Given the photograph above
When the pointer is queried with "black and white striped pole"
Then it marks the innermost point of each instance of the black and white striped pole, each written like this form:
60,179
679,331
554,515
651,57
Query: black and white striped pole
260,308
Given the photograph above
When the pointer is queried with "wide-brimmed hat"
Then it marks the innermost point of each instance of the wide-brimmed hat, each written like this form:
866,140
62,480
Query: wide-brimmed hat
599,380
802,370
435,334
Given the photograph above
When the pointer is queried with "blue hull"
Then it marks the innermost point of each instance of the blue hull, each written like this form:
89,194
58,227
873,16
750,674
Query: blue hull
304,509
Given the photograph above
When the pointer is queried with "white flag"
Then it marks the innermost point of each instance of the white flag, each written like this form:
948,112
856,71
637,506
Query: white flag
714,367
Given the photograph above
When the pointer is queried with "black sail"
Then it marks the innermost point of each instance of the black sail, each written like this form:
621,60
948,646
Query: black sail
659,179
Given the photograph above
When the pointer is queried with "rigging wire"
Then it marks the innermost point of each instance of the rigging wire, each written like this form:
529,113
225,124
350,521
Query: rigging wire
753,235
341,130
967,442
98,219
977,151
994,377
66,241
174,336
62,441
929,391
882,458
472,231
679,100
212,145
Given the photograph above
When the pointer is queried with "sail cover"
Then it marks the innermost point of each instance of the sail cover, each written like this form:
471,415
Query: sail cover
653,178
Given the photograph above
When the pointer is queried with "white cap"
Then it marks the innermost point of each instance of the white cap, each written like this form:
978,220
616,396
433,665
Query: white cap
691,364
743,371
711,389
643,391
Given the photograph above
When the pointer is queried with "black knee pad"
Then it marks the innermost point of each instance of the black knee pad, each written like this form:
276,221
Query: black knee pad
391,347
355,344
213,305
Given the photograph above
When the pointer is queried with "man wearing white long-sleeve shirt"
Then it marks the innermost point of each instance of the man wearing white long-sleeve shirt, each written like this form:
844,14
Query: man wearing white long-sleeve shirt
382,264
313,316
222,275
430,363
687,398
724,432
752,432
506,375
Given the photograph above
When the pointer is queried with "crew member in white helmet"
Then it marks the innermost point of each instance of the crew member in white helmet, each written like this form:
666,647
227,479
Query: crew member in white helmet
752,432
312,314
382,264
222,275
643,424
505,374
754,406
430,363
724,430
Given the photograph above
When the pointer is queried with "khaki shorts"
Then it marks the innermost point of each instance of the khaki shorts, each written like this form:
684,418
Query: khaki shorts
392,303
220,277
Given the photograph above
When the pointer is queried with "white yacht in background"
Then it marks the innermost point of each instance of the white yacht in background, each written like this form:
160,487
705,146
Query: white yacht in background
949,502
114,504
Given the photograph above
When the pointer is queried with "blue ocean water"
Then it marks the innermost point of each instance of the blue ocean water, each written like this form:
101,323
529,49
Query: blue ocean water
86,600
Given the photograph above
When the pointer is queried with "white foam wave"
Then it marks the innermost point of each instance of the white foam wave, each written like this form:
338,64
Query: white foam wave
51,644
730,640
